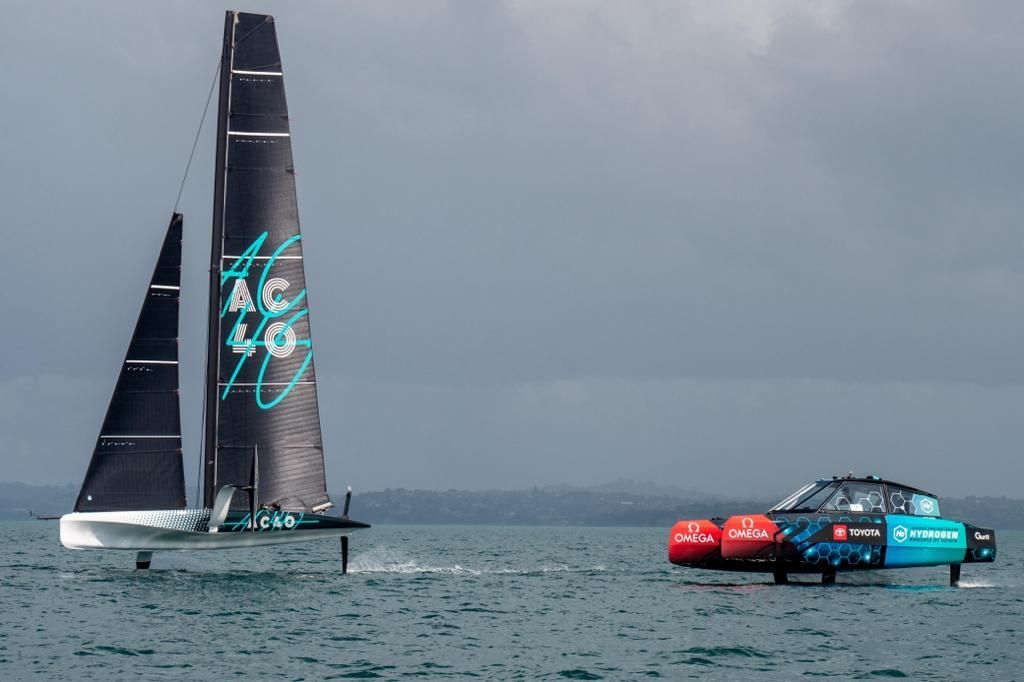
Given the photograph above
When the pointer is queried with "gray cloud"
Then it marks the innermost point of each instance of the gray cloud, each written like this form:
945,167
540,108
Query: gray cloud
558,242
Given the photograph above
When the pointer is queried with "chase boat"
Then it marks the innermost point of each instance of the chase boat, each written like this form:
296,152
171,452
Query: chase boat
839,524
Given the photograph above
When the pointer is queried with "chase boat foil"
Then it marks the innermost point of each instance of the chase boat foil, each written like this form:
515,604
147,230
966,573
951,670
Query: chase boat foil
828,526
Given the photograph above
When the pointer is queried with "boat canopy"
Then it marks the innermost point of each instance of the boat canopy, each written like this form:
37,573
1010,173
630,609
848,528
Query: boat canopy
870,495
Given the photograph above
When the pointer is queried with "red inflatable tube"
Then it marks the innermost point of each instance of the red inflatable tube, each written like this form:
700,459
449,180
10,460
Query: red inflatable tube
747,536
693,541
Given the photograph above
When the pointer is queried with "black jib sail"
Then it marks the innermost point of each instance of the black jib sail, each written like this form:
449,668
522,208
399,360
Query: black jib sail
137,461
261,397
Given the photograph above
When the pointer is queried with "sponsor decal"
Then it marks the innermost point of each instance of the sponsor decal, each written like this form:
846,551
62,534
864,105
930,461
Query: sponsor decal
263,318
985,537
875,533
695,536
935,534
923,541
747,536
271,520
923,505
693,541
842,532
931,535
748,531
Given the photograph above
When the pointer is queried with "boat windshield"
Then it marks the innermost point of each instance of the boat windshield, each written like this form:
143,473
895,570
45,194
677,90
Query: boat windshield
807,498
857,496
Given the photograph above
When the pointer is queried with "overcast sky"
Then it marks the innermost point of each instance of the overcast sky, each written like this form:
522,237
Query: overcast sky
725,246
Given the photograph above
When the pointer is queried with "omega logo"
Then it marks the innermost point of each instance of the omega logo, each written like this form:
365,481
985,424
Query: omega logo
694,536
748,531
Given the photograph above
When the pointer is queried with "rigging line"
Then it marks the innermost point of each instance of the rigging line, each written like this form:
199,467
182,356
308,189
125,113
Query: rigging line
195,142
206,109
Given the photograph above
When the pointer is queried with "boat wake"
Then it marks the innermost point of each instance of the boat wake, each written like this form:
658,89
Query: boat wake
386,560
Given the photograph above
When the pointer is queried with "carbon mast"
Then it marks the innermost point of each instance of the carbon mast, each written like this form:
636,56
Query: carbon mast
216,261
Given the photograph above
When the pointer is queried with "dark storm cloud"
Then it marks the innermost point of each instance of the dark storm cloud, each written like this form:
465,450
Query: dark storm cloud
558,242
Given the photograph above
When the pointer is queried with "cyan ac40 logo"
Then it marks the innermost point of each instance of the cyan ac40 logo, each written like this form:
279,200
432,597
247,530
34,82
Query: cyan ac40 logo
271,520
276,314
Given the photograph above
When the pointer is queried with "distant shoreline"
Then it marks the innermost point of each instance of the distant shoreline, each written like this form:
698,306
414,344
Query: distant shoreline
551,506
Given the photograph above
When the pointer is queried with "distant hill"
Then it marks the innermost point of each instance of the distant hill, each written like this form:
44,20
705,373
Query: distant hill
552,506
633,487
535,507
17,499
594,508
992,512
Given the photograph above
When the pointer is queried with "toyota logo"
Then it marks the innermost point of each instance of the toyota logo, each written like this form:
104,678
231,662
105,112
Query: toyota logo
747,522
693,527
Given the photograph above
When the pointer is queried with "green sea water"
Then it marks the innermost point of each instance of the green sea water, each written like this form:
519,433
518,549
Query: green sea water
505,603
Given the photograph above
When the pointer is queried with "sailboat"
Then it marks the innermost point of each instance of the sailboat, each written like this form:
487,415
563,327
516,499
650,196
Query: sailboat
264,480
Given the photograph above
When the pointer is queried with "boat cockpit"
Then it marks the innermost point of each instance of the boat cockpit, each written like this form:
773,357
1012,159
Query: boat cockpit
867,495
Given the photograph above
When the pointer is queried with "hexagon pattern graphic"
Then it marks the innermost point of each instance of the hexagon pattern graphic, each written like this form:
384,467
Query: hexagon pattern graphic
901,505
838,554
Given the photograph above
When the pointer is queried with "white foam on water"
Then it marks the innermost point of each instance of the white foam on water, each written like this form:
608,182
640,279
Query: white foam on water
975,582
407,567
387,560
563,568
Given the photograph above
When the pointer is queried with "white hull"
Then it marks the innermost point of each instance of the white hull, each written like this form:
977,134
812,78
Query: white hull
172,530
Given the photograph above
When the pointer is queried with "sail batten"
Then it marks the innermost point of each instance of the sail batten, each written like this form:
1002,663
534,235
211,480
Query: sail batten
137,463
262,408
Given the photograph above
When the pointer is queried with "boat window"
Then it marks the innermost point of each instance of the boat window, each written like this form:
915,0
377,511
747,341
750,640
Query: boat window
807,498
791,500
854,496
904,501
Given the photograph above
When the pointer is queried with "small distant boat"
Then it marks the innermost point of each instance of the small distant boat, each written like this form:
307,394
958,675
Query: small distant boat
264,480
833,525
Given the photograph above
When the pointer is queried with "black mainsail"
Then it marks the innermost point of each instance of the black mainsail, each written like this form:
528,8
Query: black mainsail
261,397
137,463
